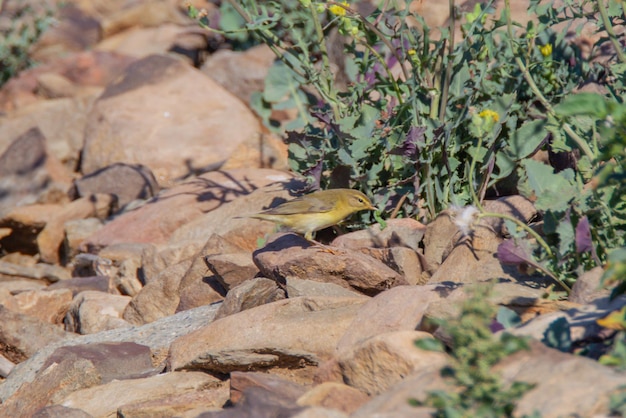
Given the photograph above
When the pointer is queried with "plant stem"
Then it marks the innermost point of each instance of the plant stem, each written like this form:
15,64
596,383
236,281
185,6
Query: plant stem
470,177
393,81
609,30
535,235
582,144
443,104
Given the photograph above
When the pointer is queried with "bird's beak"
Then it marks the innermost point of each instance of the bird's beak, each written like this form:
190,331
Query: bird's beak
372,207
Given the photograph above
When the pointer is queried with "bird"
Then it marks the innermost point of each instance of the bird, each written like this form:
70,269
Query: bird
312,212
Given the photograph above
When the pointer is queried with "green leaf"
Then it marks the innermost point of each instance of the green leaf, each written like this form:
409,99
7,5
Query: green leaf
429,344
527,139
552,190
279,83
558,335
583,104
508,317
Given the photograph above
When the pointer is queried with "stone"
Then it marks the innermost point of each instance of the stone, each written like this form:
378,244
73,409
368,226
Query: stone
251,293
132,265
44,273
588,287
240,382
334,395
127,182
298,287
516,206
157,335
231,270
158,298
185,405
288,255
404,261
240,72
399,232
92,312
53,383
48,305
376,364
268,336
29,173
80,284
112,361
104,400
51,238
399,309
59,411
161,105
587,383
76,231
439,239
177,208
21,335
25,223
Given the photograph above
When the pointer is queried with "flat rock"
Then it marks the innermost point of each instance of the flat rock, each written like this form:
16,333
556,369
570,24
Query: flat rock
104,400
267,336
251,293
157,335
179,206
125,181
289,256
375,365
92,312
240,382
21,336
48,305
174,118
404,232
334,395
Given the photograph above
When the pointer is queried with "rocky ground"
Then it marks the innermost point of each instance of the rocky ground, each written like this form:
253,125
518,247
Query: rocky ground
130,287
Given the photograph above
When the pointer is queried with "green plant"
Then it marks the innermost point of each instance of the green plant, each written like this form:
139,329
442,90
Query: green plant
421,121
477,391
26,27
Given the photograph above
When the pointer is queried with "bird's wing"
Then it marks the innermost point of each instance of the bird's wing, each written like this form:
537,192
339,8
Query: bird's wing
301,205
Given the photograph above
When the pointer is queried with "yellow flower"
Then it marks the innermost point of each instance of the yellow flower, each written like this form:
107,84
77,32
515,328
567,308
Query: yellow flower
338,10
488,113
546,50
411,52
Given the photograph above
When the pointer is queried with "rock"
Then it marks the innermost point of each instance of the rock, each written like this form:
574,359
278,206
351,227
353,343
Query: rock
21,336
48,305
399,309
588,287
334,395
240,382
104,400
76,231
41,272
298,287
92,312
375,365
405,261
516,206
5,366
55,86
267,149
439,239
59,411
52,384
60,121
141,42
131,266
231,270
251,293
80,284
51,238
472,259
176,208
240,72
258,403
157,335
25,224
287,256
268,336
124,14
125,181
180,405
162,104
395,401
159,298
29,173
404,232
74,31
587,383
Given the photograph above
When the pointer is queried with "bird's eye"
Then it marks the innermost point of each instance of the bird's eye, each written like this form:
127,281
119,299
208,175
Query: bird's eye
361,200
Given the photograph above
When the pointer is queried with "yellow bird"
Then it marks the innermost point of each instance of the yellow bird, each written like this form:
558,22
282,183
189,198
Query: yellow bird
318,210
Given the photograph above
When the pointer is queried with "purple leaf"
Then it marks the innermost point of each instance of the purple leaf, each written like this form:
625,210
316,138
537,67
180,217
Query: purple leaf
513,252
583,236
409,146
316,173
